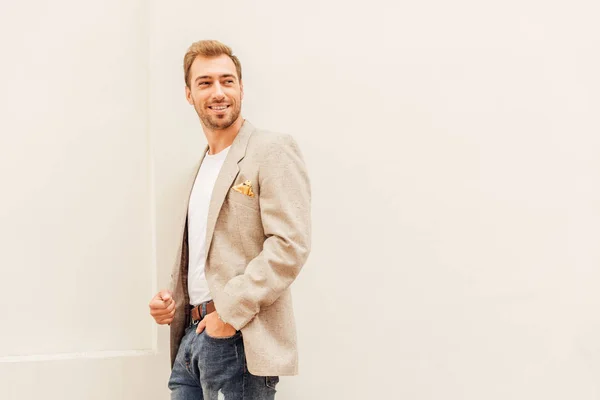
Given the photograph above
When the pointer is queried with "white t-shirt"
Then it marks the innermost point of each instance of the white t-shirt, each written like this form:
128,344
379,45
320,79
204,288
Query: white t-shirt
197,219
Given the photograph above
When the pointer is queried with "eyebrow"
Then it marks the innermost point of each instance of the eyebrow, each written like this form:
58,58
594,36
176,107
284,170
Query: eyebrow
210,77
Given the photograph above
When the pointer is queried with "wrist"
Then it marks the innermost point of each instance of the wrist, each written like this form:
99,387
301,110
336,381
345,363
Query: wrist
225,323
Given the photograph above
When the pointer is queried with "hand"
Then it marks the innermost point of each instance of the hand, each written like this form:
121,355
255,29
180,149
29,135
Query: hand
162,307
215,327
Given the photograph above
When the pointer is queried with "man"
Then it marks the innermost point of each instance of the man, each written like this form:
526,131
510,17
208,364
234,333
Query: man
245,238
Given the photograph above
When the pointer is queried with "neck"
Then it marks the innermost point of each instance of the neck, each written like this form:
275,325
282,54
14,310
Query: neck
219,139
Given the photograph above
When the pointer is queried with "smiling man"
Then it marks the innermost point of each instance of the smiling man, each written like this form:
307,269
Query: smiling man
245,237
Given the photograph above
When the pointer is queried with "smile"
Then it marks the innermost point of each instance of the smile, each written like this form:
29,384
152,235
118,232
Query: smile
218,108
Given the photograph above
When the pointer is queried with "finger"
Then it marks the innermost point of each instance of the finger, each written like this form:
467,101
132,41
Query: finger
157,304
171,303
163,316
163,311
164,321
171,306
200,327
164,296
158,311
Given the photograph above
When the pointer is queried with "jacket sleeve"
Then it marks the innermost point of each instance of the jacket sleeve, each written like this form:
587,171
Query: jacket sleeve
285,201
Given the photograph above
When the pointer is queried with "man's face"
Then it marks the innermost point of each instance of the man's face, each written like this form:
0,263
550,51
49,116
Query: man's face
215,91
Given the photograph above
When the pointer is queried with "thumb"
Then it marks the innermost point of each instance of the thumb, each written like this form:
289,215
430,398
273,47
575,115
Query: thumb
165,295
201,326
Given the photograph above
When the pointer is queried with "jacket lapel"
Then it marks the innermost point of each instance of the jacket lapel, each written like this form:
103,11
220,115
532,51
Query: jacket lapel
229,171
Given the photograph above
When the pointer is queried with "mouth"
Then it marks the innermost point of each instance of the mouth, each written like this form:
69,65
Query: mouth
219,108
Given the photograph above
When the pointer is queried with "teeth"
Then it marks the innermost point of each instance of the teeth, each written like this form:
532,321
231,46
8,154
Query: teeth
220,108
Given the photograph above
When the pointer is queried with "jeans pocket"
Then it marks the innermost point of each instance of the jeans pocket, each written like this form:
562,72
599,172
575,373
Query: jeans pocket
271,381
235,336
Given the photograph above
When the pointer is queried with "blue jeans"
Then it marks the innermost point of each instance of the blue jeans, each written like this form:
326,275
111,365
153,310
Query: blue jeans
208,368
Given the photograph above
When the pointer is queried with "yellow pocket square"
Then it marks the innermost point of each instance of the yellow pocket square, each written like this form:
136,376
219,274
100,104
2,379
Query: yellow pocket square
244,188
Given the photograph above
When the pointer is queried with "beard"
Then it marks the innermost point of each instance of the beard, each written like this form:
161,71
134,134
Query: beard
218,122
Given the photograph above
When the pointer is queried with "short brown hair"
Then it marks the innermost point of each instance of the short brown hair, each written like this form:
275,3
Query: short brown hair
208,48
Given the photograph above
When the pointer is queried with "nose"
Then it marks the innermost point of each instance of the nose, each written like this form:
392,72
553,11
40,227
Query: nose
218,93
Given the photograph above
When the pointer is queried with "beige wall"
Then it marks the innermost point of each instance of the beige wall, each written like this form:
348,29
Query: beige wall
453,149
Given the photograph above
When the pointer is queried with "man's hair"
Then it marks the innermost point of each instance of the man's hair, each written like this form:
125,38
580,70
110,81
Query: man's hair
208,48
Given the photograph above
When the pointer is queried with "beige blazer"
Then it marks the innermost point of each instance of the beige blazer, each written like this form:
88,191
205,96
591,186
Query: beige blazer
256,248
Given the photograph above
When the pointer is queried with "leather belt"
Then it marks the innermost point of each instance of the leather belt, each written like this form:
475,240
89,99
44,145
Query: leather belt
200,311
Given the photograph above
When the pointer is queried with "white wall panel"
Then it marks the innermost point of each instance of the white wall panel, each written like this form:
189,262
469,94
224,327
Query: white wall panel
76,206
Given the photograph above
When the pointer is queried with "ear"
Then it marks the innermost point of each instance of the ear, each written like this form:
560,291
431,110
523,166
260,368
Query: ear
241,90
188,95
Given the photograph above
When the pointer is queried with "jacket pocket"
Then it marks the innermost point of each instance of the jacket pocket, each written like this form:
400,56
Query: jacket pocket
242,199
